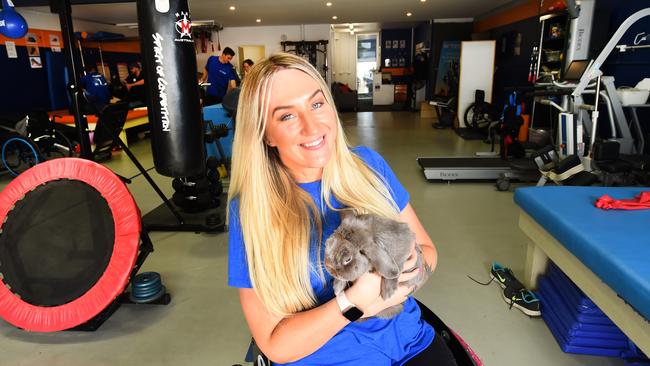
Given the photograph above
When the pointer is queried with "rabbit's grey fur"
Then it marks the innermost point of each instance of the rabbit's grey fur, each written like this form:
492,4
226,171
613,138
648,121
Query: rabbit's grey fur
364,243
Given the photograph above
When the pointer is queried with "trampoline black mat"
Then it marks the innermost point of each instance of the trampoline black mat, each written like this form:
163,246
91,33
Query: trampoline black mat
56,242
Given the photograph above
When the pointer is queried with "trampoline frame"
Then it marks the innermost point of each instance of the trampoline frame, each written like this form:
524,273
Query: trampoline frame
90,310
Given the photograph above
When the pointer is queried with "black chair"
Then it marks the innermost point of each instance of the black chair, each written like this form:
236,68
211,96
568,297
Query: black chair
464,355
109,125
344,100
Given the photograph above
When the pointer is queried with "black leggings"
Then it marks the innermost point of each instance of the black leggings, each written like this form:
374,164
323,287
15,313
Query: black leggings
437,354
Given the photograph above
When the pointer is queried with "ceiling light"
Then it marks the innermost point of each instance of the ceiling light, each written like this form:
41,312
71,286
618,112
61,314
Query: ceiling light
423,1
328,4
258,20
232,7
335,17
408,14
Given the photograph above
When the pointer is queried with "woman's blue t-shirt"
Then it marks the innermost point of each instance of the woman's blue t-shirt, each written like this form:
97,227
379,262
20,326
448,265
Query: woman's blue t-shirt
375,341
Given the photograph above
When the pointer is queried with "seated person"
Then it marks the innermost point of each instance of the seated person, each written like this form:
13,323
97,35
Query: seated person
247,65
95,89
292,172
135,84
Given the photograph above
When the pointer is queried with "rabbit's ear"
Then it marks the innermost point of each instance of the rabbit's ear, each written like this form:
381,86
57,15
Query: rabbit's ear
381,260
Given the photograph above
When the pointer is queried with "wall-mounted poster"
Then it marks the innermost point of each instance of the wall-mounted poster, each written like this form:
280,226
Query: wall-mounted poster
448,69
402,43
389,43
30,38
395,43
55,43
11,49
35,63
122,70
33,51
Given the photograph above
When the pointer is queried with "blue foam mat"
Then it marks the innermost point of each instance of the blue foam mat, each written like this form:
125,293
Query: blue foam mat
571,291
564,325
592,316
547,315
566,314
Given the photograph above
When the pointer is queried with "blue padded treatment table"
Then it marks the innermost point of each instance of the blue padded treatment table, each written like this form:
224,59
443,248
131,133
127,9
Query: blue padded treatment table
218,115
605,252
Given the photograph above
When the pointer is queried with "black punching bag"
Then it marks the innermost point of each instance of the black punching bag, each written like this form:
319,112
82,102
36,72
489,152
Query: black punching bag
169,66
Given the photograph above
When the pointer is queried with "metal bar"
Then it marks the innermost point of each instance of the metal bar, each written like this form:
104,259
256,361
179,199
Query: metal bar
593,70
146,175
63,8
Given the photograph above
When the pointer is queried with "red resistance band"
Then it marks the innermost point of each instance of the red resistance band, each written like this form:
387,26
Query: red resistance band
640,202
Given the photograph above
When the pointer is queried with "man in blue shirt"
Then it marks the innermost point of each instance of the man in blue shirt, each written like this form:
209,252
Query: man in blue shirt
95,90
221,75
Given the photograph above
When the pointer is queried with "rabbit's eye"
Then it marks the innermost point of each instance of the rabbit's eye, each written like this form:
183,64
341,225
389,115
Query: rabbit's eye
346,235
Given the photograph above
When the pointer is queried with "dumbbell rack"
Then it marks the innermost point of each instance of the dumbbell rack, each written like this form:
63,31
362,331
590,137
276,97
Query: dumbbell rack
198,205
167,216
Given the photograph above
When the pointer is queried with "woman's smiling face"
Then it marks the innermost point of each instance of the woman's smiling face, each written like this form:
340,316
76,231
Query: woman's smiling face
300,124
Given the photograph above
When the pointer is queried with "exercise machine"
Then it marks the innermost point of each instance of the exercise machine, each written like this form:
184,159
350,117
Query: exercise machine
486,168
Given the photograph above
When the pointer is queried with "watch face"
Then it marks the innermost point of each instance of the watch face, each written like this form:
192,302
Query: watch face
353,314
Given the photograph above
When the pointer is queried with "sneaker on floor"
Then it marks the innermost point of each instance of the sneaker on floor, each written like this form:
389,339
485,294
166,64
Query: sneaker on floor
505,277
522,299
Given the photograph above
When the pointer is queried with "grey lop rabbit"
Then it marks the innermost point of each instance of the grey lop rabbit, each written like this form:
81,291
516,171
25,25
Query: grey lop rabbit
369,243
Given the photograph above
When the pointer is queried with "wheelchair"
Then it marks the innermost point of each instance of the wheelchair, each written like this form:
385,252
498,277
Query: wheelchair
31,140
462,352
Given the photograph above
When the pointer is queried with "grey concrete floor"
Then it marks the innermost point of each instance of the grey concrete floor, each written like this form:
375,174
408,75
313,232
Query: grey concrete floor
472,225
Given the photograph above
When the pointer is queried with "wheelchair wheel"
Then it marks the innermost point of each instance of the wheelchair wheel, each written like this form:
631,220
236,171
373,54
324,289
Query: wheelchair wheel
56,145
19,154
477,116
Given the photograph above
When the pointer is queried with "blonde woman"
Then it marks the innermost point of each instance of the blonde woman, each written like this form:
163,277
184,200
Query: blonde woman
292,172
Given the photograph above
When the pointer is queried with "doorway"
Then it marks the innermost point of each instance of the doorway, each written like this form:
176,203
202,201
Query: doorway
367,60
254,53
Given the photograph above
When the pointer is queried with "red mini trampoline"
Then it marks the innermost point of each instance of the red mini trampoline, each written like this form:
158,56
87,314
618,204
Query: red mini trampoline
69,241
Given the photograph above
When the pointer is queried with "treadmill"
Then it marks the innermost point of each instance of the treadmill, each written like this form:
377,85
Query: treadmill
478,168
490,167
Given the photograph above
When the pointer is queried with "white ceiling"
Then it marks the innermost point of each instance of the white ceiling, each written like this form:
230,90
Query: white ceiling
291,12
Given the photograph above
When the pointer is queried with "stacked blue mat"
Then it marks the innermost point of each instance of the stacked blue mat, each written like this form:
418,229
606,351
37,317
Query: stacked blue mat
578,325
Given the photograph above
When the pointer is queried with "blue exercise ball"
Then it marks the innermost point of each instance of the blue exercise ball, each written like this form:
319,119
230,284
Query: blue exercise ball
12,24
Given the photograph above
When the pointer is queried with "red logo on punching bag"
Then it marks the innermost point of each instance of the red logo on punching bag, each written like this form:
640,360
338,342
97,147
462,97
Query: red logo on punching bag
184,25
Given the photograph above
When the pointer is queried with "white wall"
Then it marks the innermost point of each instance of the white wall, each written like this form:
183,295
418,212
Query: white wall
476,72
41,19
267,36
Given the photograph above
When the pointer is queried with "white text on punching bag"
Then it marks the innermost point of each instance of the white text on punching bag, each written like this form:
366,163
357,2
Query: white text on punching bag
162,83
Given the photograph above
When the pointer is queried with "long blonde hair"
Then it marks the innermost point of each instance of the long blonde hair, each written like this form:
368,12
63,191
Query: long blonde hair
277,216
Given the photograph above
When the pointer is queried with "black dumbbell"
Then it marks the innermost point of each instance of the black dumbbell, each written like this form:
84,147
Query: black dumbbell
212,163
216,189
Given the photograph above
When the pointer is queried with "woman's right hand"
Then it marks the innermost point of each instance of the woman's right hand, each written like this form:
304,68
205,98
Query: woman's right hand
365,292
